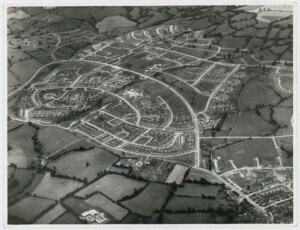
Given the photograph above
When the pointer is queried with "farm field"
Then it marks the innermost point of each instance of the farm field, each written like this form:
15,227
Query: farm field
51,215
112,185
150,199
20,180
67,218
22,148
54,188
193,218
180,203
75,163
36,205
250,124
197,190
55,138
257,93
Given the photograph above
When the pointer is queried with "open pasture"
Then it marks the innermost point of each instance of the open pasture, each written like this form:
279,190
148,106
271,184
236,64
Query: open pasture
197,190
55,188
51,215
250,124
150,199
194,218
84,164
30,208
180,203
55,138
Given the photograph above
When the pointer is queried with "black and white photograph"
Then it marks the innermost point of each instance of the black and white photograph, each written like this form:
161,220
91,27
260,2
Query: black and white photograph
141,114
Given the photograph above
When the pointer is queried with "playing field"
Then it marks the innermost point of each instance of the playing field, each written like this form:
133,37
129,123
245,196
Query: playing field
55,188
244,153
55,138
150,199
113,186
30,208
107,205
75,163
177,175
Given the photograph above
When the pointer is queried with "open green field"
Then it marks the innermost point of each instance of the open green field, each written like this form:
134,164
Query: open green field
180,203
75,163
55,138
30,208
197,190
22,73
194,218
51,215
257,93
150,199
244,153
107,205
113,186
20,140
55,188
250,124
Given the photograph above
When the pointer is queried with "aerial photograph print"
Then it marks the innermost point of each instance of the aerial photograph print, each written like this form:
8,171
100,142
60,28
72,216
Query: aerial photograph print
149,115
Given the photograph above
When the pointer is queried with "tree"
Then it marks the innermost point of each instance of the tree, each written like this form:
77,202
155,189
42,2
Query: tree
87,164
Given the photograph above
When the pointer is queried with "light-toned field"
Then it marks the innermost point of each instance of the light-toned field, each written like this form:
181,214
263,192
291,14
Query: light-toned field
107,205
74,163
55,188
177,174
178,203
269,16
29,208
113,186
51,215
150,199
55,138
197,190
22,146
